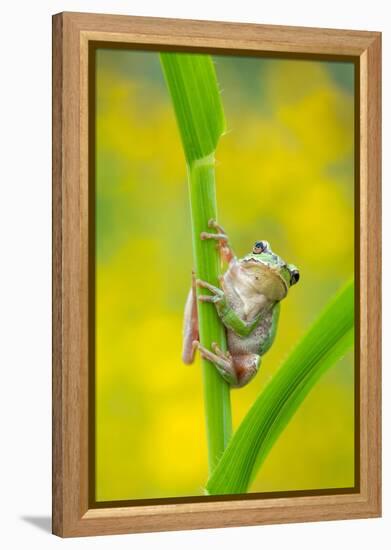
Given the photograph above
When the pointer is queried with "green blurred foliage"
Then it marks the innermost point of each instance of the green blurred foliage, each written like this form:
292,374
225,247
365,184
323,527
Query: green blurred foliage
285,173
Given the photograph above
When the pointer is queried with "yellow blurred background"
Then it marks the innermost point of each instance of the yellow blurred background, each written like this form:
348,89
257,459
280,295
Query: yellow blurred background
285,173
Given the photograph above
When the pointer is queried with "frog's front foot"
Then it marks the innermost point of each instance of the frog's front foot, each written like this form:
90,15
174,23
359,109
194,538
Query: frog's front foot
217,293
226,252
219,236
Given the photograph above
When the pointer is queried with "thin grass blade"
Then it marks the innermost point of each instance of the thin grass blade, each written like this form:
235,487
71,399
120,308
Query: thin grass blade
191,80
329,338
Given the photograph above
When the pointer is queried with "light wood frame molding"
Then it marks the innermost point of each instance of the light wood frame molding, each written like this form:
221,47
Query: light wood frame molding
72,34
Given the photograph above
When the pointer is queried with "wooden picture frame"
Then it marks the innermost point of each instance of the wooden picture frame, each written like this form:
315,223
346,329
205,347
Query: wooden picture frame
73,34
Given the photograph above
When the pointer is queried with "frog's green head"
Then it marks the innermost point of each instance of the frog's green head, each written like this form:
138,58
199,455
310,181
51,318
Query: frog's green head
267,273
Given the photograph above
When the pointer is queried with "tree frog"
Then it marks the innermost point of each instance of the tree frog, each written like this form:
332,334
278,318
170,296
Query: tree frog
248,304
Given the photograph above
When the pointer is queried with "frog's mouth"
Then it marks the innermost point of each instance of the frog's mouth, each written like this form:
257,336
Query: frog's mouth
266,279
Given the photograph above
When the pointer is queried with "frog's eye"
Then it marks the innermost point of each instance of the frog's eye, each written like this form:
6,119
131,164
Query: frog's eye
260,246
295,276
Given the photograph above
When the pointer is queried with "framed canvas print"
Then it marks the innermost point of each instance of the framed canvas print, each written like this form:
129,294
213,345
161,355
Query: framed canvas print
216,274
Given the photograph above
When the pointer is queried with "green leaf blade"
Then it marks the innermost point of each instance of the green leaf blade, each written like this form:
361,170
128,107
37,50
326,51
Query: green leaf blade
192,82
329,338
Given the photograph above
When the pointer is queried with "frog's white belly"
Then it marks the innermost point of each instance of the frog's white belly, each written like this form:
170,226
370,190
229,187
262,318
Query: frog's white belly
239,345
247,305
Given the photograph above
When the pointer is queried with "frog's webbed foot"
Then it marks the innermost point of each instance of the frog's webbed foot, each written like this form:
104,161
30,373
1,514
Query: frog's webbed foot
221,236
220,352
209,299
213,223
204,235
237,370
212,288
221,360
217,293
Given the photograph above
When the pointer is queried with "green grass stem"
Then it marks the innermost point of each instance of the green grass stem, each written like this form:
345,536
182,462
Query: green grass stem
192,84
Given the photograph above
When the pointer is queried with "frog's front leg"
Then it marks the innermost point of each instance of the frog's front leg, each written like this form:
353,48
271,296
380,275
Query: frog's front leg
217,294
226,252
227,314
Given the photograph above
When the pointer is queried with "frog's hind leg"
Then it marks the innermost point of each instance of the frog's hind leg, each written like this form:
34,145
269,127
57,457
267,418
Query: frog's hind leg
190,326
237,370
221,360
